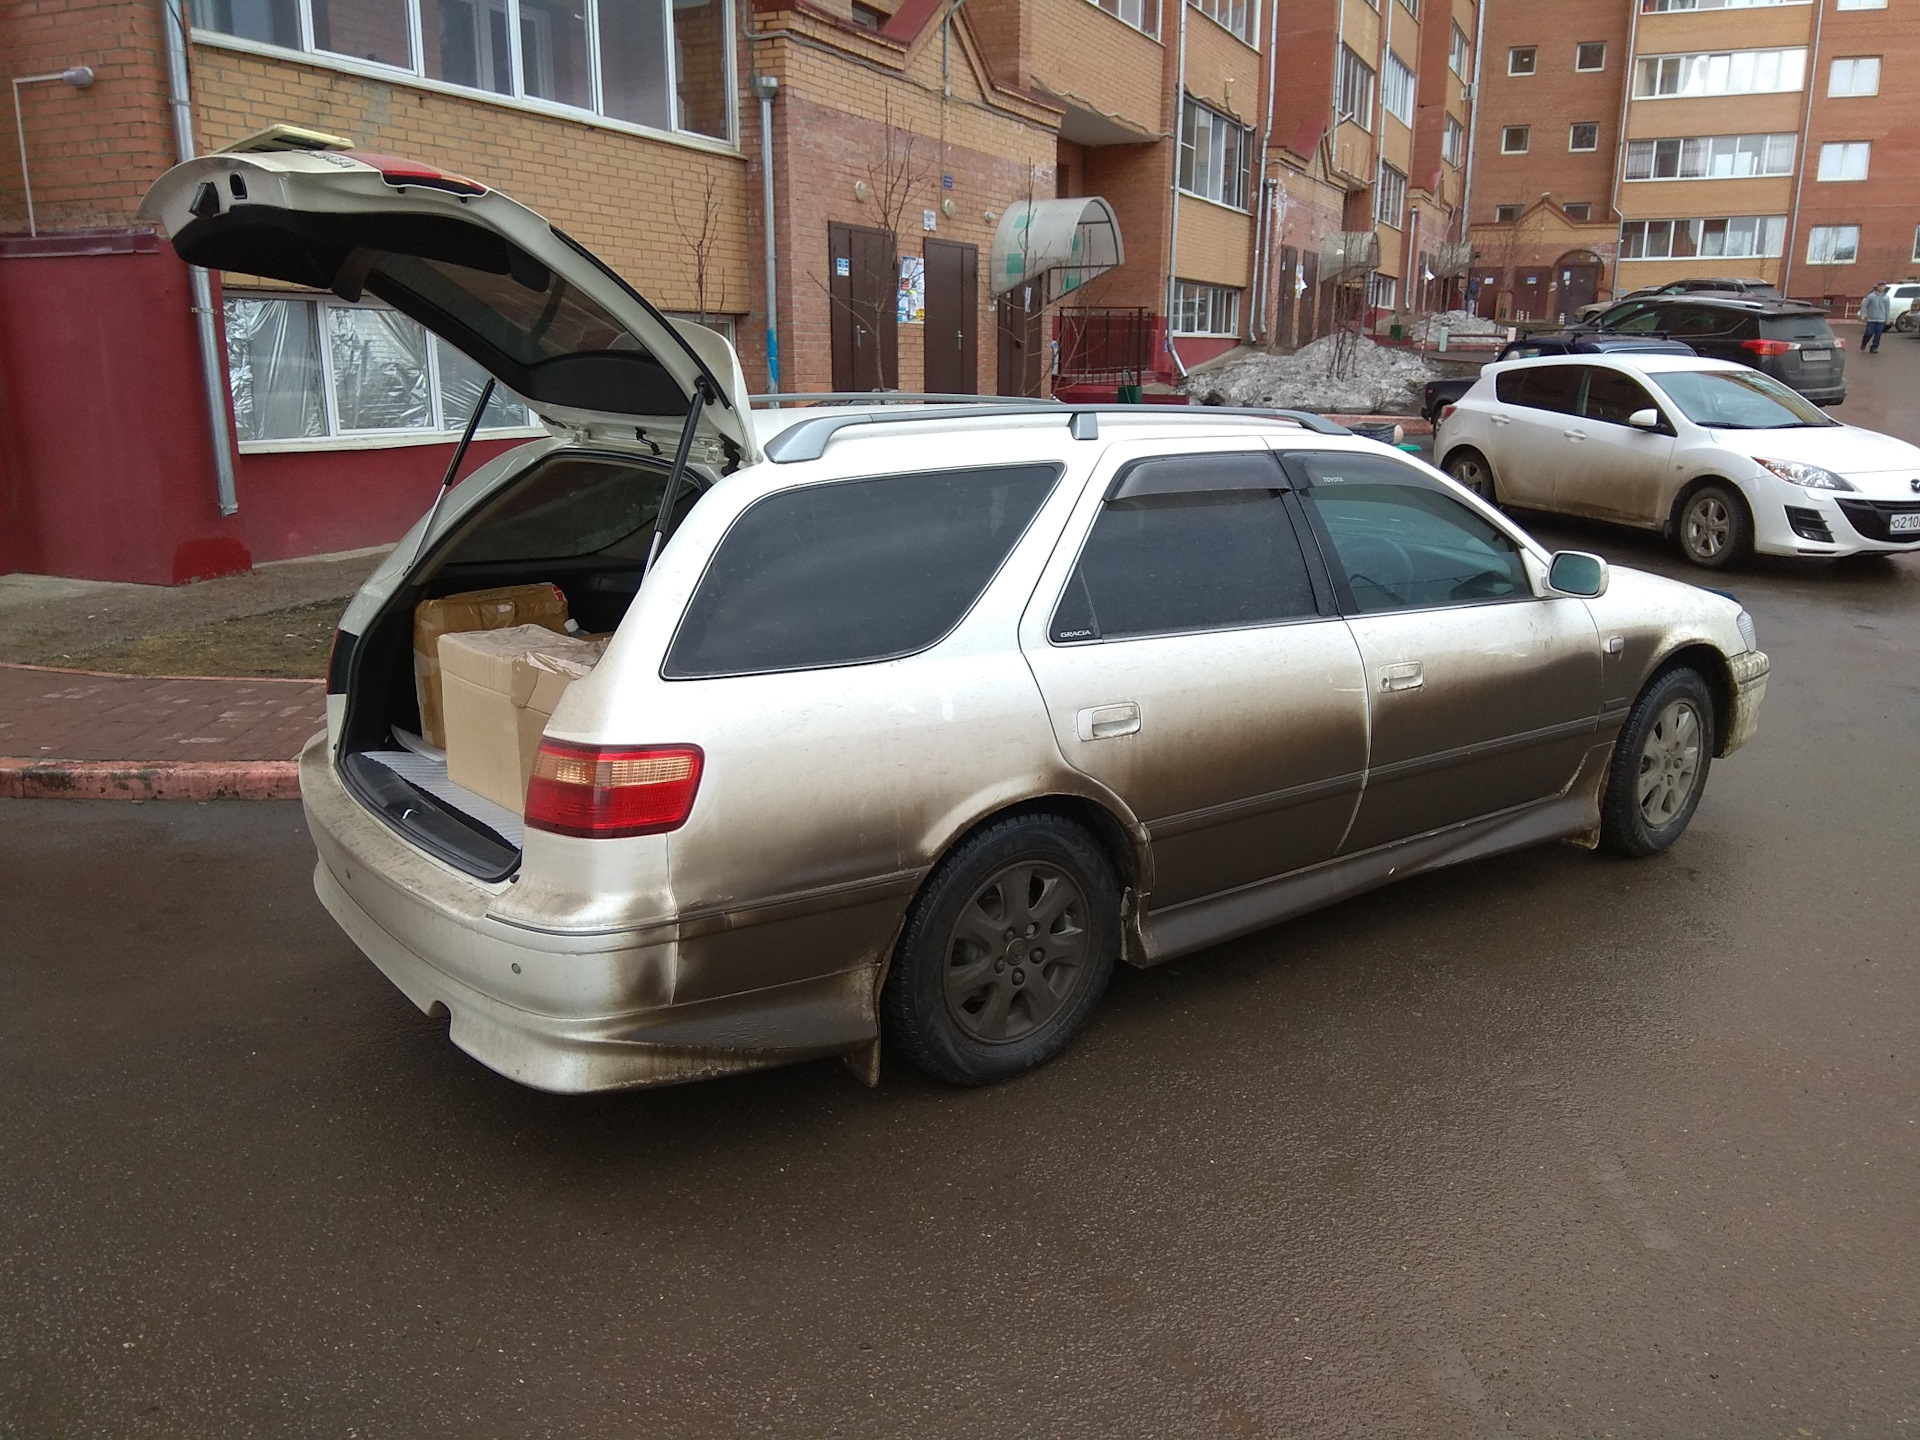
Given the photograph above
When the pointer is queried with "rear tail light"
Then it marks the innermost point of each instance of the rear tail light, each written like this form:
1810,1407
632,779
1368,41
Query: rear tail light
1767,347
1839,342
396,171
604,792
1447,410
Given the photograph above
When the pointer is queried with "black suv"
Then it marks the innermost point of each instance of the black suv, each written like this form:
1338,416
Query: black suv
1683,287
1441,393
1787,339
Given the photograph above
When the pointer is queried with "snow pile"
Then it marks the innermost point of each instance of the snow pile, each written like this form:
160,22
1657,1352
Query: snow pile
1381,380
1426,331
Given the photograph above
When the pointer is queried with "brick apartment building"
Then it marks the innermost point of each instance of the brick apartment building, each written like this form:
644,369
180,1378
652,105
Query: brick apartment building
148,435
1632,142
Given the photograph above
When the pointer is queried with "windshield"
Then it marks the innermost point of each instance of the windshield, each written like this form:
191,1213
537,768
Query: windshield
1739,400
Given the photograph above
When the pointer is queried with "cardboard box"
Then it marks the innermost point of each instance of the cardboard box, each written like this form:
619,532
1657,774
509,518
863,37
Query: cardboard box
498,691
500,609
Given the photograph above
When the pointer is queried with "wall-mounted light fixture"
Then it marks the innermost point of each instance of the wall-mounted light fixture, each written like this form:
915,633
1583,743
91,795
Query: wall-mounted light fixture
79,77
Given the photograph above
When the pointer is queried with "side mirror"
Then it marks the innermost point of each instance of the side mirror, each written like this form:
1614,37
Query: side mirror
1647,419
1575,572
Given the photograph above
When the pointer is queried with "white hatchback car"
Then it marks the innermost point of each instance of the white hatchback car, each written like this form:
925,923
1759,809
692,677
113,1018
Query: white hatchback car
1720,458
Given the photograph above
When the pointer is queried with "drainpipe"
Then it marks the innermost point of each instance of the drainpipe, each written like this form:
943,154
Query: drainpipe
1800,166
1173,219
1620,139
1473,141
1263,239
765,87
213,368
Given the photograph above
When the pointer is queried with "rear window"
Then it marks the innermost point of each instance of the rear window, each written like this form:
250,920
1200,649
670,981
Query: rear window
572,507
1797,327
857,571
1542,387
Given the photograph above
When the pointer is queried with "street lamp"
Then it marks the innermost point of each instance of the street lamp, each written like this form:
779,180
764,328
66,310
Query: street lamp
79,77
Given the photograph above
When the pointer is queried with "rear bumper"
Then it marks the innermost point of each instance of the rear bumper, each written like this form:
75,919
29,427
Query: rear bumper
564,1013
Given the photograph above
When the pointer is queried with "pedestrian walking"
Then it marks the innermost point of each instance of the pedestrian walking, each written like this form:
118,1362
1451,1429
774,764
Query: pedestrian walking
1875,310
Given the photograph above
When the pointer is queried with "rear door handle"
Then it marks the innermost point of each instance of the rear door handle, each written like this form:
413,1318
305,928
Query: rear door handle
1574,434
1103,722
1406,676
1501,419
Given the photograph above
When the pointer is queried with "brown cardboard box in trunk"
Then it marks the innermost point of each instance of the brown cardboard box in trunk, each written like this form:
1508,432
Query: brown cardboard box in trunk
498,691
500,609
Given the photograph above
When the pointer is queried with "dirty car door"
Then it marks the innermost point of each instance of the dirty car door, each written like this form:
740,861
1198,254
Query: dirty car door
1191,661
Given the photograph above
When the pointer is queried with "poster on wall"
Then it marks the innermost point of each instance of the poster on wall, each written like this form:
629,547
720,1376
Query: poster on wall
913,290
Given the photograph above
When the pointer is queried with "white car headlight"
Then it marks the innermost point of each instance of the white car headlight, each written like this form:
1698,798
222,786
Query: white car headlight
1814,477
1747,633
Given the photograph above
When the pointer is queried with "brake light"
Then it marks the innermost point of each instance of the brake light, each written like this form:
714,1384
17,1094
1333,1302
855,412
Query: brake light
1767,347
396,171
605,792
1447,410
1839,342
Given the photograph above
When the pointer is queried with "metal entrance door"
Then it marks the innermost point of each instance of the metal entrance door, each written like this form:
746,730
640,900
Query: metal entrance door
953,319
864,300
1022,347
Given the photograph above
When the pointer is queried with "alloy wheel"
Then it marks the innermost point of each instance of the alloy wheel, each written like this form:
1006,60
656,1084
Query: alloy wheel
1017,952
1669,763
1707,526
1472,474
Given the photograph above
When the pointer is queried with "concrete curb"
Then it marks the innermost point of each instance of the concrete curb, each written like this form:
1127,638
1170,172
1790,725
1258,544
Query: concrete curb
149,780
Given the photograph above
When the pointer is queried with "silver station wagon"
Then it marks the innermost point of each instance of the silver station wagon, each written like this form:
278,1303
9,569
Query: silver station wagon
915,720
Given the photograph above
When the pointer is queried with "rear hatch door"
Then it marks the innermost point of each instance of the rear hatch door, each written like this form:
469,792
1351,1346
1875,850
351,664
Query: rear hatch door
1815,360
490,277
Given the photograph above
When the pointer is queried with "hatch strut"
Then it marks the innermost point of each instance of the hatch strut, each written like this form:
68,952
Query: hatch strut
453,468
701,394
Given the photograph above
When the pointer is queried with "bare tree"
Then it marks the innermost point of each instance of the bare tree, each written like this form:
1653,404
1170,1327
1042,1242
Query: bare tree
701,238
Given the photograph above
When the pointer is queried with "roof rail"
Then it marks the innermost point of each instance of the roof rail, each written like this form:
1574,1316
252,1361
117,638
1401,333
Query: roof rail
886,397
807,438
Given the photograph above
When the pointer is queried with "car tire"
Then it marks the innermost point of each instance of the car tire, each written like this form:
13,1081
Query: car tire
1469,467
1659,767
1714,527
965,998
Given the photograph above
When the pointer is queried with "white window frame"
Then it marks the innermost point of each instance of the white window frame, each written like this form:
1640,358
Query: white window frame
1349,68
1196,301
1768,232
1397,89
1665,7
1532,52
1142,15
1460,53
1580,69
1512,219
1573,149
1858,67
1833,234
1691,148
1390,198
1234,190
1223,13
1453,140
521,97
1526,139
1584,206
1860,4
1674,76
442,430
1916,243
1845,161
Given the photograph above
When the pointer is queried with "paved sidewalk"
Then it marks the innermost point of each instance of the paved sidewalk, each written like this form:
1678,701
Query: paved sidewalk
80,734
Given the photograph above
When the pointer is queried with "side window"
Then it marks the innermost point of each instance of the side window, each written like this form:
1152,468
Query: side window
854,571
1612,396
1633,320
1402,542
1541,387
1194,542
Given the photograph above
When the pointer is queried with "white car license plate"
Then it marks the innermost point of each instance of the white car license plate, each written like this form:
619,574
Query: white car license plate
1821,355
1908,524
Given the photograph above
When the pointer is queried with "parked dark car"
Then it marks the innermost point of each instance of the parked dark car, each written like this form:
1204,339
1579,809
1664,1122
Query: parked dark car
1441,393
1727,284
1787,339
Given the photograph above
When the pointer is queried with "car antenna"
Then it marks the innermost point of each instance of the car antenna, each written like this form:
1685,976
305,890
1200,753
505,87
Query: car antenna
453,468
672,492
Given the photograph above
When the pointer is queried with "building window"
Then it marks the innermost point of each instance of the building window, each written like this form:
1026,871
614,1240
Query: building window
1857,76
1728,72
1585,135
1234,15
1353,92
1580,210
1205,309
1214,154
1396,89
1590,55
1453,141
1833,244
1459,53
1505,214
1710,157
868,18
1845,159
1514,139
1660,7
664,65
1916,242
1412,7
1390,197
1860,4
1754,236
1522,60
309,369
1383,291
1142,15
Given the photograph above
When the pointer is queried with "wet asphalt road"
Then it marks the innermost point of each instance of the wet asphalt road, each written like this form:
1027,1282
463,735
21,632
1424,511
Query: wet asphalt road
1548,1145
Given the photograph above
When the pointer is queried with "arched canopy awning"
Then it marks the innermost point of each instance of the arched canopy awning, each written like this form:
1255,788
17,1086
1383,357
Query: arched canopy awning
1061,244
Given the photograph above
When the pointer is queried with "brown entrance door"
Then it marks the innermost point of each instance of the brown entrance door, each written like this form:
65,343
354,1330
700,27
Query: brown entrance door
1577,285
1530,294
864,301
953,318
1022,351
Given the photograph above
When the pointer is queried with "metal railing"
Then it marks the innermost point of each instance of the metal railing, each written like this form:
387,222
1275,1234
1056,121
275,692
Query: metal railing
1103,347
